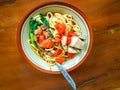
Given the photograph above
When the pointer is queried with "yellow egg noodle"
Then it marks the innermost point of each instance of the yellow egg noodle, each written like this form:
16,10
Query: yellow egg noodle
71,25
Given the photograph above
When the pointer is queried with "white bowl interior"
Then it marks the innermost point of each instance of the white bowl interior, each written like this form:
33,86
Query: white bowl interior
36,59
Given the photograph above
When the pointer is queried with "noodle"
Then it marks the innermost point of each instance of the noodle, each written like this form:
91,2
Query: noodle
47,54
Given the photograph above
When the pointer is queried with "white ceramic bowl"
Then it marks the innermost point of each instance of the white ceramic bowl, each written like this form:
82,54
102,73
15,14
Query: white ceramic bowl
23,35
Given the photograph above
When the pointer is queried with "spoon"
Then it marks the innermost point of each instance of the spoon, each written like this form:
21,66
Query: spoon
66,75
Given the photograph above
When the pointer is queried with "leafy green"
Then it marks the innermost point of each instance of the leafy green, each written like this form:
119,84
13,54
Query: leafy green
33,25
46,23
32,39
44,20
32,21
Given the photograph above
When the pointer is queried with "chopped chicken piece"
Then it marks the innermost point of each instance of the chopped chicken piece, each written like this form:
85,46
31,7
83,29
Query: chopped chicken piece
78,33
82,37
46,34
76,42
64,42
71,50
38,30
43,27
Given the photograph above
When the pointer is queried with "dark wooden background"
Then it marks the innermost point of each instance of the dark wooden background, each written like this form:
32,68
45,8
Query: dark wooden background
100,71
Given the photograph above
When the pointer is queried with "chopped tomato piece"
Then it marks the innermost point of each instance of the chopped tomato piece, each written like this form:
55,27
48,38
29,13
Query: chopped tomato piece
41,38
59,36
71,33
60,60
47,43
68,39
70,55
57,52
58,39
60,27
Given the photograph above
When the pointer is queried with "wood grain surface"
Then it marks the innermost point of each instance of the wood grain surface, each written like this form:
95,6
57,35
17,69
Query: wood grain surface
100,71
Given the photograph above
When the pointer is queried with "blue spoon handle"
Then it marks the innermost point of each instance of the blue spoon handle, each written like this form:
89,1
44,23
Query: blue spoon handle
66,75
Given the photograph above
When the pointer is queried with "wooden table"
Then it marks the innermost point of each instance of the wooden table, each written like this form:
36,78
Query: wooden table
100,71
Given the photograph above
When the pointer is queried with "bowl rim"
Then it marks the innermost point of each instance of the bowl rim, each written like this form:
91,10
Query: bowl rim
39,5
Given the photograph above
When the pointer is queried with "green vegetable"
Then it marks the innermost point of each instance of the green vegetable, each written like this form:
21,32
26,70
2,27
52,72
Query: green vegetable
46,23
32,39
32,21
33,25
44,20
